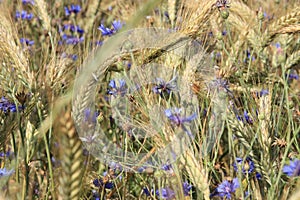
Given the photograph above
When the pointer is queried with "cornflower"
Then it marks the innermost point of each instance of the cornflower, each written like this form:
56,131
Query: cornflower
115,90
116,25
5,172
23,15
26,41
226,188
7,106
163,87
28,2
179,121
293,169
248,165
73,9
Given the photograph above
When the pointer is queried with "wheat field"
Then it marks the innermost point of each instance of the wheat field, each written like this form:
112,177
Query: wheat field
150,99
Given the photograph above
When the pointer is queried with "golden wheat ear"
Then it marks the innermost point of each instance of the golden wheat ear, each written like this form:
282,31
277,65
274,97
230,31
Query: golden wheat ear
71,159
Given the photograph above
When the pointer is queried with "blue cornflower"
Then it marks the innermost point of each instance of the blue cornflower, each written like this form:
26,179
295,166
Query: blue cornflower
7,106
5,172
262,93
166,167
72,40
73,28
293,76
165,193
74,57
248,165
23,15
115,90
227,188
99,183
7,154
175,118
146,191
245,118
90,116
219,84
28,2
186,188
163,87
26,41
116,25
73,9
104,30
67,11
293,169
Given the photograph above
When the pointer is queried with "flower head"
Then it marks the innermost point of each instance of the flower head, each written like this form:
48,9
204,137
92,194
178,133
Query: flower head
164,88
73,9
100,183
116,25
186,188
23,15
227,188
5,172
28,2
293,169
7,106
116,90
175,117
26,41
247,166
165,193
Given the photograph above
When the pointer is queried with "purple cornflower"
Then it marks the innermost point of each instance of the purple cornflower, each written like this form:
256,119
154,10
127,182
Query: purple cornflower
146,192
247,165
72,40
227,188
28,2
99,183
90,116
175,118
26,41
293,169
7,106
165,193
5,172
116,25
163,87
186,188
293,76
104,30
73,9
262,93
221,84
245,118
7,154
73,28
23,15
115,90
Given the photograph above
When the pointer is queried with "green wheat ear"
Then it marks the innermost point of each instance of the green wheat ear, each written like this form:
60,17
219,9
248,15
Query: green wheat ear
71,159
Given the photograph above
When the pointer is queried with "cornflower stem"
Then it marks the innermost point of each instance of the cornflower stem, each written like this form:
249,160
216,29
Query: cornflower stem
48,156
272,191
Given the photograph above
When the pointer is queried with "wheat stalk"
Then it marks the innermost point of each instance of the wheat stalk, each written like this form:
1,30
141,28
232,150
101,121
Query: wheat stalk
286,24
71,159
292,60
13,58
